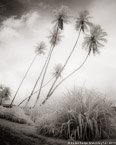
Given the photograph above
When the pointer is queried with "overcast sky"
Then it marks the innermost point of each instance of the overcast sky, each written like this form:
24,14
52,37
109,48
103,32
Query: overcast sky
25,23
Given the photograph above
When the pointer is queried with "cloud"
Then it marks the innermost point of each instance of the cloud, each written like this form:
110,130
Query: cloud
43,5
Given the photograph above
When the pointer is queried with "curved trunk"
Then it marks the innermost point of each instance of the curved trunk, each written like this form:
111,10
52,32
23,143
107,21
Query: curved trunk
45,70
65,79
38,77
23,80
65,63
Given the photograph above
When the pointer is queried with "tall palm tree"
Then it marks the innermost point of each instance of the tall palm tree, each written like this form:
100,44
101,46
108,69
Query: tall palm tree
32,92
82,24
39,50
61,17
55,38
92,43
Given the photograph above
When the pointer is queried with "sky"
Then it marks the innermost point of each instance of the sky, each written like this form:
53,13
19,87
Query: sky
26,23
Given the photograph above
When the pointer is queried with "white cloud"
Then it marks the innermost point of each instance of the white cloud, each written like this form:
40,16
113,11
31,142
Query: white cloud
43,5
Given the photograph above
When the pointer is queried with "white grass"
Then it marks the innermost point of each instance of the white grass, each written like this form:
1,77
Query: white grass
81,115
15,114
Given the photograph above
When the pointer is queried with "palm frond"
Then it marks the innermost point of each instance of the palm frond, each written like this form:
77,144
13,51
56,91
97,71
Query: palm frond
57,70
95,40
55,37
40,48
60,17
83,21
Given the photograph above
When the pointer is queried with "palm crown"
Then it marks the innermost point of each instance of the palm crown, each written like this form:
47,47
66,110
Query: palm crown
57,70
95,40
55,37
82,21
40,49
61,17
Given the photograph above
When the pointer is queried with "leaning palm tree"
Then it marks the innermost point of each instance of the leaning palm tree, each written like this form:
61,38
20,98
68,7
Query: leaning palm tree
55,38
61,17
92,43
39,50
82,24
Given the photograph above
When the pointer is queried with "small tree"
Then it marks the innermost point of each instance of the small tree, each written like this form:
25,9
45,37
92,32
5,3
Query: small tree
38,51
4,93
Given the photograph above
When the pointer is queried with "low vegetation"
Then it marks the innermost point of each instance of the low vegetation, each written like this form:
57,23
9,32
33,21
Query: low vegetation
15,114
82,115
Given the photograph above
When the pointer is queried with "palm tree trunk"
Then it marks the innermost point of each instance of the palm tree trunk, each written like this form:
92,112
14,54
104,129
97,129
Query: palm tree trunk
53,46
66,78
65,63
23,80
43,78
35,91
38,77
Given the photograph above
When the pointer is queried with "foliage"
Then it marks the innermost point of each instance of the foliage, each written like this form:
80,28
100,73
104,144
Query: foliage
54,37
60,17
40,48
57,70
82,115
82,21
5,93
94,41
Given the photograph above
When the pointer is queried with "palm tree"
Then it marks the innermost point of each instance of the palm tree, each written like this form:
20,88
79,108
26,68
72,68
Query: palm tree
60,18
55,38
92,43
39,50
82,24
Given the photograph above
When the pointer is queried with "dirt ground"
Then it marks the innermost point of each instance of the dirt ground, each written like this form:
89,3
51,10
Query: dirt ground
12,133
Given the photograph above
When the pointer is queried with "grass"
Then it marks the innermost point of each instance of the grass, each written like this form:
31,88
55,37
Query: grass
82,115
15,114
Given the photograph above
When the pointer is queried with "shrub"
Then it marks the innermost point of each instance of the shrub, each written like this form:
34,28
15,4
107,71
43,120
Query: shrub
85,115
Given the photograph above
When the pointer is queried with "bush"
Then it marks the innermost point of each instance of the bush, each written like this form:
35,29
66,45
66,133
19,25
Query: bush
15,114
83,115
